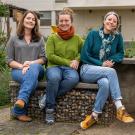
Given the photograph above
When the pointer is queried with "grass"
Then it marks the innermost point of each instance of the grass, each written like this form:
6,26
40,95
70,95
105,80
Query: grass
4,87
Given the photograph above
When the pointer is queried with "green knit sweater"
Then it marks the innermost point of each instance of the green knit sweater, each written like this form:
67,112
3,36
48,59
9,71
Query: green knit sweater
61,52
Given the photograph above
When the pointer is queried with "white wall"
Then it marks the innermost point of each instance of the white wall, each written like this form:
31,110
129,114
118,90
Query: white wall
83,19
32,4
100,3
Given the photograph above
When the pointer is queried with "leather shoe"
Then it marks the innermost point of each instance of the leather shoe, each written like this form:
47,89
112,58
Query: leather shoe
23,118
19,103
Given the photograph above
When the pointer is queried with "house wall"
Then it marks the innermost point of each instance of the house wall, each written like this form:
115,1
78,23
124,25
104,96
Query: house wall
100,3
84,18
32,4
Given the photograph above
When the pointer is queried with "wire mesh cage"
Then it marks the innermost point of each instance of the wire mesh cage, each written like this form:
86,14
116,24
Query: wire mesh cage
72,107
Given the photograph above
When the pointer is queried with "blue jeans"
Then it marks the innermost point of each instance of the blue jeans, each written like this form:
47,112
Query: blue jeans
107,81
28,83
60,79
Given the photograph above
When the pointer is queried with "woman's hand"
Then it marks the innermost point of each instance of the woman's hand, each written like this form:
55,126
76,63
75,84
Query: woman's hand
24,70
74,64
26,66
108,63
27,63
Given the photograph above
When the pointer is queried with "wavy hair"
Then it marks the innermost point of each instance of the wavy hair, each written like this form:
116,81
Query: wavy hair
35,31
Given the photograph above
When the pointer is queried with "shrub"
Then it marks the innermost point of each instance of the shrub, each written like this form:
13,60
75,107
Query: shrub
4,86
130,51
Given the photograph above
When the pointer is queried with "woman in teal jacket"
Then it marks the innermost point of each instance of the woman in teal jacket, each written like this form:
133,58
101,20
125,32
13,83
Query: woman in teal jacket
63,52
102,49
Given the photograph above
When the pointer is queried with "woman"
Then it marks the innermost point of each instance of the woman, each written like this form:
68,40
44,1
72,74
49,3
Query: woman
102,49
26,55
63,53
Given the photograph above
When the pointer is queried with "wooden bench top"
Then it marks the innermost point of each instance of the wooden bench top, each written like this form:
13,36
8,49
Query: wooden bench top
80,85
128,61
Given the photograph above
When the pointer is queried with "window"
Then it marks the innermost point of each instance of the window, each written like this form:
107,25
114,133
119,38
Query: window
60,1
45,18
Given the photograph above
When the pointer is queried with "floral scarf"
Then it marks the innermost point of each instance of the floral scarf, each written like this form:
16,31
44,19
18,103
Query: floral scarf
66,34
106,44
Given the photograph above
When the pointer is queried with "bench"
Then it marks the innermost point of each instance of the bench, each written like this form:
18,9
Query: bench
73,107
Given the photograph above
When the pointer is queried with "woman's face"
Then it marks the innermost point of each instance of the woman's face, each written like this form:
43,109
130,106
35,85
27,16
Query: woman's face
64,22
29,21
110,23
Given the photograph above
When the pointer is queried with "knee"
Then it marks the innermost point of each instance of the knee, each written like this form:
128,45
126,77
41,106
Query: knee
74,78
53,77
35,66
35,69
111,71
103,83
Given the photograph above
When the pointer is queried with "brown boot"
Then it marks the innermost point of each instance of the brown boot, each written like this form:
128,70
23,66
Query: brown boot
19,103
23,118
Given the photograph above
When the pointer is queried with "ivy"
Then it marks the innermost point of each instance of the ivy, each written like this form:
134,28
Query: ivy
4,10
4,13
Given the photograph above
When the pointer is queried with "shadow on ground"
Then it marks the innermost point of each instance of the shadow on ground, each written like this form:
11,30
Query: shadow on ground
14,127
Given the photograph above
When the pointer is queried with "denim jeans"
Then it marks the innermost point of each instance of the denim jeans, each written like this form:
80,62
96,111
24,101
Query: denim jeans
107,81
28,83
60,79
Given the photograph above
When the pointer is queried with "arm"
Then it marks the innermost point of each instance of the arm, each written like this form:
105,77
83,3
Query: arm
86,53
52,57
10,55
119,55
81,42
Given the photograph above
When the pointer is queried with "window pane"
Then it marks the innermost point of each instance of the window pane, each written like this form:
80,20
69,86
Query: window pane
45,18
45,22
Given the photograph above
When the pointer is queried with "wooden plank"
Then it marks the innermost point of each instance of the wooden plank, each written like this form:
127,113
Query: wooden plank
43,84
128,61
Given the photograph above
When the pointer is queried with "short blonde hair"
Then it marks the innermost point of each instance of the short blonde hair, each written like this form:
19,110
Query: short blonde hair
66,11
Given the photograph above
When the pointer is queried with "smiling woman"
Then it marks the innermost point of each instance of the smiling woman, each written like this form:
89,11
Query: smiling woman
63,52
26,55
111,22
102,49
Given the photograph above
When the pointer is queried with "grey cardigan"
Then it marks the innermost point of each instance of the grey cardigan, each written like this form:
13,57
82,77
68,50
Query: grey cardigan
18,50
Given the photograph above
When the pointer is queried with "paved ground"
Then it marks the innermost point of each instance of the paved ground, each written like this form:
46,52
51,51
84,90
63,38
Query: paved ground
14,127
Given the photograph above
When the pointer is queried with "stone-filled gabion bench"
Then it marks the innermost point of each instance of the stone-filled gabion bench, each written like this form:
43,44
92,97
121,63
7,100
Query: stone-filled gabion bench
73,107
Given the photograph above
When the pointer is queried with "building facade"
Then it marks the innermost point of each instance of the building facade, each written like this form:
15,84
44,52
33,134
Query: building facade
88,14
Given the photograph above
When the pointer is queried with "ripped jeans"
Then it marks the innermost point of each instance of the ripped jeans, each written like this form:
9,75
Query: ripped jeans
107,81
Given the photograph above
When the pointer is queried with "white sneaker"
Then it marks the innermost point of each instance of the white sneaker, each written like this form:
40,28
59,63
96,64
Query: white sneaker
49,119
42,101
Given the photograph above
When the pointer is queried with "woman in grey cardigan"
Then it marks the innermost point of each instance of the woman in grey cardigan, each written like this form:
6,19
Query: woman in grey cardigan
26,55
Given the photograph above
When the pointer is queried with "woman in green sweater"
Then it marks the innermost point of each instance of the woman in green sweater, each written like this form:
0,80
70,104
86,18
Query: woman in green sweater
102,49
63,53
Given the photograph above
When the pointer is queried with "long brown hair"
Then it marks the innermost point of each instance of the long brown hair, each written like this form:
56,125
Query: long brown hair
35,31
